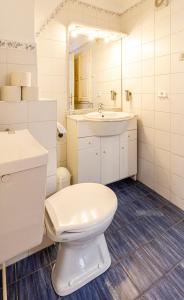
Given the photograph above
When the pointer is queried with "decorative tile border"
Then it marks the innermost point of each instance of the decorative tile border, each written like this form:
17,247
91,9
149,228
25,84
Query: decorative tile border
7,44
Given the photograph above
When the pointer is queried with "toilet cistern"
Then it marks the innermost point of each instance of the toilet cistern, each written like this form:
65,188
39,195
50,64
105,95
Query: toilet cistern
23,169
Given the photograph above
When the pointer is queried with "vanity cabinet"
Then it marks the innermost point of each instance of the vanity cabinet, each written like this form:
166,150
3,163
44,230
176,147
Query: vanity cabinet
101,159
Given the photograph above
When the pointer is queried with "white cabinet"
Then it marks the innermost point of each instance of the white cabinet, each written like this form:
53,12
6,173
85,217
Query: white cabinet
102,159
89,159
132,152
109,159
123,155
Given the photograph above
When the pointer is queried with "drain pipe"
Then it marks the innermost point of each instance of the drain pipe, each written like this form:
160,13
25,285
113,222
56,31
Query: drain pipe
4,282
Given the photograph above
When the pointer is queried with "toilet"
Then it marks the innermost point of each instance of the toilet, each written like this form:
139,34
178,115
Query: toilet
77,217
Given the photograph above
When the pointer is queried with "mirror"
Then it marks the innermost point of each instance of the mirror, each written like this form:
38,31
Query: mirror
94,68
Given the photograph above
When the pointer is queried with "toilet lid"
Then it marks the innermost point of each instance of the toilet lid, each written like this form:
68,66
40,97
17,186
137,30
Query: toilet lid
80,206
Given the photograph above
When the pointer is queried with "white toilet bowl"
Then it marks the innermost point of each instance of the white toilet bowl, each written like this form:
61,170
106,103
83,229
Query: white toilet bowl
77,217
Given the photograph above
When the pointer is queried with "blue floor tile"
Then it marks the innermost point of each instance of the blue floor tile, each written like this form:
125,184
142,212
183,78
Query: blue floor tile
176,237
142,271
163,253
176,277
32,263
115,284
122,217
163,290
37,286
10,275
121,244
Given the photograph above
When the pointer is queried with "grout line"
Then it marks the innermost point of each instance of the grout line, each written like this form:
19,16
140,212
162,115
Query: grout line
162,277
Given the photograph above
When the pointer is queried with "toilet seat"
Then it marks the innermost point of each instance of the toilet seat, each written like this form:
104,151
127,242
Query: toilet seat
70,211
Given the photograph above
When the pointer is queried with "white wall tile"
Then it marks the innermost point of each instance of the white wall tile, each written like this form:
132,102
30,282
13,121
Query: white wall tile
148,67
148,101
177,85
44,132
51,185
13,112
177,165
177,144
177,184
146,151
146,135
148,118
162,46
51,166
148,85
177,42
162,65
148,50
162,158
146,172
162,121
177,122
162,177
39,111
162,140
177,103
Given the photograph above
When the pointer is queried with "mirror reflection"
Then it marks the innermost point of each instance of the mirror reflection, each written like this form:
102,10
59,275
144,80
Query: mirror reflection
94,68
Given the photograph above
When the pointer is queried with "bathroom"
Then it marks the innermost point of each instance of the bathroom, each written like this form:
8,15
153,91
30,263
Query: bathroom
95,88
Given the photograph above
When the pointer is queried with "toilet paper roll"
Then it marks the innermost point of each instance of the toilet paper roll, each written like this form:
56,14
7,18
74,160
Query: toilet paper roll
30,93
20,78
10,93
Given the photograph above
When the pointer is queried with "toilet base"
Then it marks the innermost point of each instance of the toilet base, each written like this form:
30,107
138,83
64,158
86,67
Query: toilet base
78,263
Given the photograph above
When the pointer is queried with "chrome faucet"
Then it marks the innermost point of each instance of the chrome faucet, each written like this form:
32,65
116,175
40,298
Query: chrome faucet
100,107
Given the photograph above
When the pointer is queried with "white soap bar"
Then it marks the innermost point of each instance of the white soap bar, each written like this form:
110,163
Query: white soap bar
20,78
10,93
30,93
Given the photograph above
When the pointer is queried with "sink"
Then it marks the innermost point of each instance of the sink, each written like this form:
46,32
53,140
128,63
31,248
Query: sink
107,123
108,116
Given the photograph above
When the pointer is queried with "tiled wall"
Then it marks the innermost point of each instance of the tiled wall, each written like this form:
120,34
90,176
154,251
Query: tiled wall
17,47
151,64
52,57
20,60
52,75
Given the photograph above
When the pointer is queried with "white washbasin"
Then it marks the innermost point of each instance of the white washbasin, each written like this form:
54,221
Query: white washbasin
107,123
110,116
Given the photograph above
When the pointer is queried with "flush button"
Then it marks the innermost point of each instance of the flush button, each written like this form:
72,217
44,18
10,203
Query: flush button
5,178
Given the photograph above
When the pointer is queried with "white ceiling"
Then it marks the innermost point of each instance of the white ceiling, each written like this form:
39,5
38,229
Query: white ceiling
43,8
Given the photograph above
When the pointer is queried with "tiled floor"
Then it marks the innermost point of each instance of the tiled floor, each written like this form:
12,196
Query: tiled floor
146,242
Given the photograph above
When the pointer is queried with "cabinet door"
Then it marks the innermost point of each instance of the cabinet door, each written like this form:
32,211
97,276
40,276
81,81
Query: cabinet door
109,159
124,155
89,165
132,152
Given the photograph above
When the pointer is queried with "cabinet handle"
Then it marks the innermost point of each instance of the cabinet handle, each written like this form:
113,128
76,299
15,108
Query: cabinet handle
122,148
96,153
104,152
89,143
